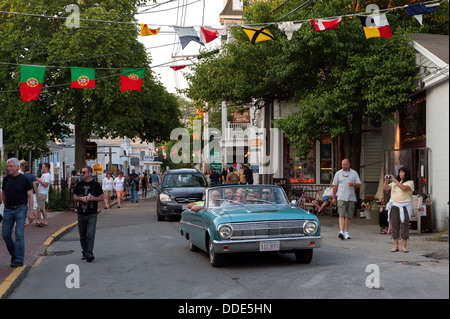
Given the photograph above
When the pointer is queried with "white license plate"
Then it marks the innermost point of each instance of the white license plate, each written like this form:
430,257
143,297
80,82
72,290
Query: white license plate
269,245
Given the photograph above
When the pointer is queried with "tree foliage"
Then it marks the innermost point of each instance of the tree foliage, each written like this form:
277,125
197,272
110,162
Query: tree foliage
336,78
107,47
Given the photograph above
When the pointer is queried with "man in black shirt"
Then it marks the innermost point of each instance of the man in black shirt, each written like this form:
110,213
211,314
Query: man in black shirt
88,193
17,192
224,174
214,177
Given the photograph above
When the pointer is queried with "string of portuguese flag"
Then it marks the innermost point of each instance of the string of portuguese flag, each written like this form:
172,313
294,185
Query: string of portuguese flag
32,78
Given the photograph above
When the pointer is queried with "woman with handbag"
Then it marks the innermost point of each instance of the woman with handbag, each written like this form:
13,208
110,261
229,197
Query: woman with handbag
400,205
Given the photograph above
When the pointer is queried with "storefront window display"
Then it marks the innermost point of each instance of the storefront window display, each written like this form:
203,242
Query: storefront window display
307,169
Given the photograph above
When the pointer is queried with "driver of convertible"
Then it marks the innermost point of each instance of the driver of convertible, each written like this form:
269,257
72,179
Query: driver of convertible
268,196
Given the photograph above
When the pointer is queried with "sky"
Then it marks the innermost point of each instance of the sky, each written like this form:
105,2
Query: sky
191,15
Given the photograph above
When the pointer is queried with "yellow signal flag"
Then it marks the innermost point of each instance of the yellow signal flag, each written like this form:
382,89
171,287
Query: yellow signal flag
258,34
145,30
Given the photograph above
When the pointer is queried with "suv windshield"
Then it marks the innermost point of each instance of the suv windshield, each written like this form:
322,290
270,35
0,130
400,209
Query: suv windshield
184,180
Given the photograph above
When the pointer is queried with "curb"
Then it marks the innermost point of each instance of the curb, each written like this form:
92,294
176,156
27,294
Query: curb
14,279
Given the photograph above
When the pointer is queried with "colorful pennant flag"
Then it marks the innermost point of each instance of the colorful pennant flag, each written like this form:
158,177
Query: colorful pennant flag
417,10
31,80
83,78
289,28
258,34
178,67
376,26
132,79
208,34
186,35
145,30
321,24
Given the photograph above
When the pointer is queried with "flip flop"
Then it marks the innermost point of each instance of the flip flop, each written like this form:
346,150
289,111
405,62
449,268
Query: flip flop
394,250
405,251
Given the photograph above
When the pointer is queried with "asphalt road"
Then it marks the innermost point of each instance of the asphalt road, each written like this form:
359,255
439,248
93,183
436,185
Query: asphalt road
139,257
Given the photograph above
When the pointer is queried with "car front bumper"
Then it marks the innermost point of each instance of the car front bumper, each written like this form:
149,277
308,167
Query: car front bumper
253,245
171,208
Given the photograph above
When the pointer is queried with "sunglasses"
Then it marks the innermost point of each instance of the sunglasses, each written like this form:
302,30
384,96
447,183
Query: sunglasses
266,192
84,173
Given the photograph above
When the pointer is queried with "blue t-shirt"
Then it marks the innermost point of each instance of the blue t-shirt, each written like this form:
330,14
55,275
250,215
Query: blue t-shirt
32,179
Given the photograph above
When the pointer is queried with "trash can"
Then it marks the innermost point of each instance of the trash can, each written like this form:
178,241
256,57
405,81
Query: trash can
375,214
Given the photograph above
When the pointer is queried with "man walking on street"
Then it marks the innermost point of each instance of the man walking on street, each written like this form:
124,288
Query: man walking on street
134,186
17,193
88,192
344,183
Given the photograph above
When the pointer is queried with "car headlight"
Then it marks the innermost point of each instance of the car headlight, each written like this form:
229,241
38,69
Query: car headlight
164,198
225,231
310,227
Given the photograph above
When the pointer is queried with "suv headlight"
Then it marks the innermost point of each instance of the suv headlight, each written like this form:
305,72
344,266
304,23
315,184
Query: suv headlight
310,227
164,198
225,231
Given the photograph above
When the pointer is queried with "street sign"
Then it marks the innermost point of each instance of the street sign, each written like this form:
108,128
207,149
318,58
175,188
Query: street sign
98,168
134,161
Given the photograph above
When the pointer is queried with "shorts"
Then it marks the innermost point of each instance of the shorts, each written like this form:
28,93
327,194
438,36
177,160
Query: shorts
120,194
108,193
41,201
346,208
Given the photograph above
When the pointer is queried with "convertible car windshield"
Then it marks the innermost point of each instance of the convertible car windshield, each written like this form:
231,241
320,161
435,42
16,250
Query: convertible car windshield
245,195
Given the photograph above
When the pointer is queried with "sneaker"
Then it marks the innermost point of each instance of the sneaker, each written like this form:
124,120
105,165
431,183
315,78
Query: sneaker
90,258
347,236
16,264
341,235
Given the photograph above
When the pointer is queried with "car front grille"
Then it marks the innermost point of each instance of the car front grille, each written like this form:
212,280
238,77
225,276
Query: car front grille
186,200
269,229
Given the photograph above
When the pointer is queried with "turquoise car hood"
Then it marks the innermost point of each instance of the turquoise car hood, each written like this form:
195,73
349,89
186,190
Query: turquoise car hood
246,213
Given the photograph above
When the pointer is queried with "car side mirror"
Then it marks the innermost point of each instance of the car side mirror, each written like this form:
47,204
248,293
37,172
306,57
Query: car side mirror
294,202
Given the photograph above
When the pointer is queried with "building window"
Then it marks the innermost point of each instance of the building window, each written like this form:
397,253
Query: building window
312,168
325,161
238,4
299,169
413,123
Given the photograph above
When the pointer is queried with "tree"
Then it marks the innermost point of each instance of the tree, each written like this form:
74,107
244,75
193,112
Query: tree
335,77
107,47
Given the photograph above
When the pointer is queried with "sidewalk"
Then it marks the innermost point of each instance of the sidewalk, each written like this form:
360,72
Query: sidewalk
37,240
366,238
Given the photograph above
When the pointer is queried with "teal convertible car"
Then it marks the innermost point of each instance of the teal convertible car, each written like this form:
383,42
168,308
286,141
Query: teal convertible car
249,218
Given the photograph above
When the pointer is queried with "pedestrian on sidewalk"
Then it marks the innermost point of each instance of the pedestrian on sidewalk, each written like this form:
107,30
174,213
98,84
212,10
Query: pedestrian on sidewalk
400,205
17,193
43,189
33,180
107,186
144,184
345,182
119,187
88,192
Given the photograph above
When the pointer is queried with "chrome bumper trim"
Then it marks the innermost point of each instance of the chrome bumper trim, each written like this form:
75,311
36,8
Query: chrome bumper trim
251,245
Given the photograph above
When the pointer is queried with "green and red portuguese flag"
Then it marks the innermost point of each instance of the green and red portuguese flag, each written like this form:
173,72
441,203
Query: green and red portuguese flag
132,79
31,80
82,78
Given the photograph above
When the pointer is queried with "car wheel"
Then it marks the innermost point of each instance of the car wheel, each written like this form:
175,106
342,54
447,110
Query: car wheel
215,259
304,256
192,247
